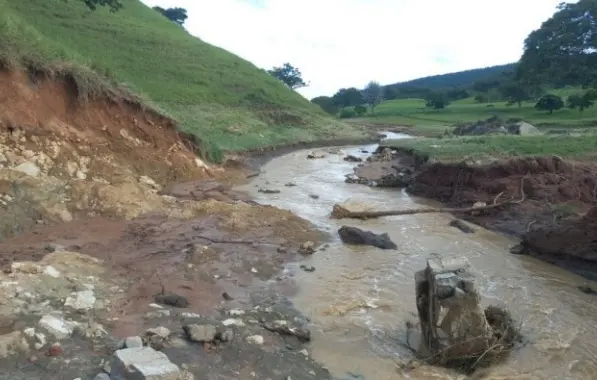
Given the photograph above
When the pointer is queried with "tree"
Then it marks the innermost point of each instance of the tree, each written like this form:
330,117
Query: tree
360,110
563,51
389,93
373,95
457,94
481,98
348,97
514,93
113,5
436,100
178,15
549,103
326,103
581,101
290,75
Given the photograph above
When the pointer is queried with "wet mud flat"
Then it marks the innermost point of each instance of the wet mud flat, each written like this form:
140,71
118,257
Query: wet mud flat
100,280
556,220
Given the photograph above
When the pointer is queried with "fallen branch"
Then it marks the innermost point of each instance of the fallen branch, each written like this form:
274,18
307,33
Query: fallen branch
340,212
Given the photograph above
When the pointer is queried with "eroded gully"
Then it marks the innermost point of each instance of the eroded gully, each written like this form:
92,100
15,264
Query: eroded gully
360,298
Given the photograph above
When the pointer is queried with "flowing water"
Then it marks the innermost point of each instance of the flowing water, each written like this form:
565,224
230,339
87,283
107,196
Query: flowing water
359,298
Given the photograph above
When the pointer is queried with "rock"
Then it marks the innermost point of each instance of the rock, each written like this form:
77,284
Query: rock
159,331
587,289
53,247
51,271
314,196
307,248
28,168
518,249
172,300
255,339
57,326
227,296
308,268
313,155
143,363
351,158
133,341
83,300
55,350
290,184
40,340
268,191
233,322
30,332
340,210
200,333
253,270
356,236
285,328
462,226
527,129
227,335
236,312
13,343
102,376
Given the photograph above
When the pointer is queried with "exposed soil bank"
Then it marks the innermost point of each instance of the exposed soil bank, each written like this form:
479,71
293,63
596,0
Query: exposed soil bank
551,221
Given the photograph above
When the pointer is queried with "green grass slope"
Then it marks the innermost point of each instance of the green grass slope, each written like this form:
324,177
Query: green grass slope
212,93
412,112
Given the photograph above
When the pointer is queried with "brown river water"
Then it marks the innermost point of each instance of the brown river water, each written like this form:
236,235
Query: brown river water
360,298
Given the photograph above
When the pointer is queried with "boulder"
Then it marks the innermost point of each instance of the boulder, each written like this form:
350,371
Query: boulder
340,210
143,363
351,158
356,236
13,343
200,333
527,129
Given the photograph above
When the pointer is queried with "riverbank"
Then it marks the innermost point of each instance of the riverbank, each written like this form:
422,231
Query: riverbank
552,197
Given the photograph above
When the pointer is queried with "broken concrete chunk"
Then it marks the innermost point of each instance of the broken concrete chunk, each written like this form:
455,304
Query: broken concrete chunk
133,342
57,326
13,343
143,363
28,168
255,339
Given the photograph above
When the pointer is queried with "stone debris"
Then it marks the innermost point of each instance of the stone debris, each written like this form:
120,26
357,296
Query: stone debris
12,343
83,300
255,339
57,326
307,248
356,236
133,341
143,363
102,376
200,333
172,300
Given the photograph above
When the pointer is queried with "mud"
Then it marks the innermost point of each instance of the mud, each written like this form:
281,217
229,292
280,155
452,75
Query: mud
557,195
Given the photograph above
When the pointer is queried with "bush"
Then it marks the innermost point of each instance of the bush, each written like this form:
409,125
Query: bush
347,113
360,110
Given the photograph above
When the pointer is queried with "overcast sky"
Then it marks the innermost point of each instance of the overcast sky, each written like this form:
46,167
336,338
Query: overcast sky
344,43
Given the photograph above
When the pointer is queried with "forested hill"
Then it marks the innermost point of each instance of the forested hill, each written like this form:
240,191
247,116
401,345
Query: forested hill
459,79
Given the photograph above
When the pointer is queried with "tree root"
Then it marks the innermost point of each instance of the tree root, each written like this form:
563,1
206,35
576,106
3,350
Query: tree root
340,212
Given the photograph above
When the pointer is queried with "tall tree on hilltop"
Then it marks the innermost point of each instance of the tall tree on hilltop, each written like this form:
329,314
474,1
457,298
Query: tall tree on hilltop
178,15
563,51
373,95
290,75
348,97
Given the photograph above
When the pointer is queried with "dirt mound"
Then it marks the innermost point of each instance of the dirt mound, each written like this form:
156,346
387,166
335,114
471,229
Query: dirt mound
61,158
556,192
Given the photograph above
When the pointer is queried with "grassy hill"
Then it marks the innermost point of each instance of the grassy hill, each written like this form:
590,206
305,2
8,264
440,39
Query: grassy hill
212,93
412,112
458,79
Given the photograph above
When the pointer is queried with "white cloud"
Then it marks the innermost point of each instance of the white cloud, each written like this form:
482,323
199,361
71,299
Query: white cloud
342,43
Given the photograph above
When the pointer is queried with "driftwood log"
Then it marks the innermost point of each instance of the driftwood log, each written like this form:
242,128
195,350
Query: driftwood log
340,212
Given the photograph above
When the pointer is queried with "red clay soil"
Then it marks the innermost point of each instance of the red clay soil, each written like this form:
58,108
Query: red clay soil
142,139
550,222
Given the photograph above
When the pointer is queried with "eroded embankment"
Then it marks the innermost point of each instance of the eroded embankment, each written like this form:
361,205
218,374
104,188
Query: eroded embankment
553,220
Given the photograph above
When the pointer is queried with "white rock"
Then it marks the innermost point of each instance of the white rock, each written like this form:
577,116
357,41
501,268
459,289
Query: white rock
187,314
155,306
28,168
233,321
236,312
133,341
254,270
57,326
30,332
83,300
51,271
159,331
142,363
255,339
40,338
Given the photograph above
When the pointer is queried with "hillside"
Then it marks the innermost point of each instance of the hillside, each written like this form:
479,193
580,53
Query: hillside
221,98
458,79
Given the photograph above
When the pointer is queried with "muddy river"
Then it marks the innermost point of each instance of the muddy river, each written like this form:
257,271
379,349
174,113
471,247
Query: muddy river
359,298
